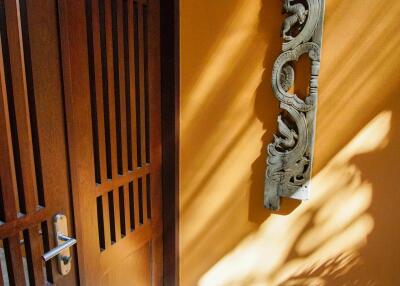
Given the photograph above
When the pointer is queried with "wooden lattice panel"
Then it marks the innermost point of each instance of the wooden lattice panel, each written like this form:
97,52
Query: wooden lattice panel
125,121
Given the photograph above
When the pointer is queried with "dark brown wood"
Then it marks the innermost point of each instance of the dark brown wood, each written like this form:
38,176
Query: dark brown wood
13,227
34,251
45,60
106,219
97,87
122,84
34,169
141,103
7,170
154,139
111,83
13,255
132,79
20,93
170,127
127,209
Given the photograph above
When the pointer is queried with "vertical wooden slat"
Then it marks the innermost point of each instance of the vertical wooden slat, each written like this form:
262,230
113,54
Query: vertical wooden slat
18,71
41,25
117,220
106,219
112,216
132,83
149,197
48,243
146,72
121,203
111,85
95,73
144,194
106,87
122,83
127,206
168,33
132,212
136,202
73,36
117,91
98,73
29,14
142,83
34,251
7,170
13,255
154,184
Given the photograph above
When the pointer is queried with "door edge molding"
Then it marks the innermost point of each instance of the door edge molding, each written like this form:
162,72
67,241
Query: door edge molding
170,97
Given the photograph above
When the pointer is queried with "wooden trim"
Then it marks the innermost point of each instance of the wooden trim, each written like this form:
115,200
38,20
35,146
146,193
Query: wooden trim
73,36
170,137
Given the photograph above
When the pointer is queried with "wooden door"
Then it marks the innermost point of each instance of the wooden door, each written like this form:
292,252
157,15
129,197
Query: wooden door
112,83
80,135
33,156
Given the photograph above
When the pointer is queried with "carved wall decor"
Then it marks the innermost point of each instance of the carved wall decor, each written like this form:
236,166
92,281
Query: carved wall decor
290,155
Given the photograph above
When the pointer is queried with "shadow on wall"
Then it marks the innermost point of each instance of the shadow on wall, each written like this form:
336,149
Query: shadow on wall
346,234
218,123
266,108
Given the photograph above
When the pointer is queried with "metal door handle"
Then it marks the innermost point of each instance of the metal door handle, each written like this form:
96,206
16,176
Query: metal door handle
63,242
68,242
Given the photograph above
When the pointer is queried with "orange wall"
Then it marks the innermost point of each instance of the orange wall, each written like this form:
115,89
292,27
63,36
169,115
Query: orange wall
348,232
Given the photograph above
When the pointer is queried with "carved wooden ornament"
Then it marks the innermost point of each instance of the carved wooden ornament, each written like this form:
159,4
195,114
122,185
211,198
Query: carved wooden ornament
290,155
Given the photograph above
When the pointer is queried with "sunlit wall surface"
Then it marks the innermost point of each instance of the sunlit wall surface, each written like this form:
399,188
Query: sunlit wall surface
348,233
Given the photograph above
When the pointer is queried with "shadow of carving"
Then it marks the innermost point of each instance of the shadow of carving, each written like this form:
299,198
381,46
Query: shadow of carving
266,108
332,268
377,262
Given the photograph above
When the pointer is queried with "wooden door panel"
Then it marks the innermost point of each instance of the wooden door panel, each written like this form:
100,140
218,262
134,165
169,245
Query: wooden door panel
134,269
113,119
34,170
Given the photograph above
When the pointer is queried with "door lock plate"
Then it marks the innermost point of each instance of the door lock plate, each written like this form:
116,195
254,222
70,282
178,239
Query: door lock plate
61,237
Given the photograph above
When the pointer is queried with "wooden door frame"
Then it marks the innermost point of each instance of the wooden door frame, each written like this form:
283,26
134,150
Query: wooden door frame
170,92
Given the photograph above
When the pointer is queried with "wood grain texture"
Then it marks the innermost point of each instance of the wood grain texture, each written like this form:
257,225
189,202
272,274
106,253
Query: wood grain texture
134,269
28,189
79,79
78,115
34,184
126,62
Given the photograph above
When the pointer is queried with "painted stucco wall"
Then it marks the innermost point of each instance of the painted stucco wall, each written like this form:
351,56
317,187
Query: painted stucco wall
348,233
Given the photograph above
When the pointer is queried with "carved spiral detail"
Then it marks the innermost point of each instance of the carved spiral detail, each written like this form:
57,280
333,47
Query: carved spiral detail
280,91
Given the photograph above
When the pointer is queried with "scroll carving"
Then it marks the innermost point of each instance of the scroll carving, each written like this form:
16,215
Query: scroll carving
290,155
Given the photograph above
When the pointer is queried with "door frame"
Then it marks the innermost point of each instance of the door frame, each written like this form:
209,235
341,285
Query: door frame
170,98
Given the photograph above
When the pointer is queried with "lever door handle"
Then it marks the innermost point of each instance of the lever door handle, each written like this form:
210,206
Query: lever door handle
68,242
63,243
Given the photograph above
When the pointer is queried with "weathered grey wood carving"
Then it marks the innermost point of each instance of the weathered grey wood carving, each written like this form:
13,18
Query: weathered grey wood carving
290,155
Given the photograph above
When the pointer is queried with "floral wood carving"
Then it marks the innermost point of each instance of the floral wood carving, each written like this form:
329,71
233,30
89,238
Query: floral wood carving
290,155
